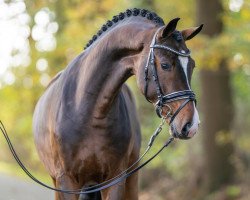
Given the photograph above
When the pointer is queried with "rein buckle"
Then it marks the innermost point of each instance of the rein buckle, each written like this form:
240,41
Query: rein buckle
159,111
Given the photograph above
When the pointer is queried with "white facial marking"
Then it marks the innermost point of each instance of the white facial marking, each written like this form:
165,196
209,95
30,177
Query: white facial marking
184,63
195,123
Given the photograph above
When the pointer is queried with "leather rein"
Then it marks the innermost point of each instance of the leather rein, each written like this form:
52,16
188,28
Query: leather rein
163,100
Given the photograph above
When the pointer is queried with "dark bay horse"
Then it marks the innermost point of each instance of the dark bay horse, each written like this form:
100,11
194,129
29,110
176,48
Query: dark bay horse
85,125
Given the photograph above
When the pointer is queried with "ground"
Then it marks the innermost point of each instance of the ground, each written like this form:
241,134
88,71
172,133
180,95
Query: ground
13,188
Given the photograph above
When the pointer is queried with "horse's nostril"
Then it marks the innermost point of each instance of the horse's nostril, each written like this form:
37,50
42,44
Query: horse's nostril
186,129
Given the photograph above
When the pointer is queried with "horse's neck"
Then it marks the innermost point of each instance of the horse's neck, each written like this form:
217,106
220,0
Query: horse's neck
100,84
104,84
106,67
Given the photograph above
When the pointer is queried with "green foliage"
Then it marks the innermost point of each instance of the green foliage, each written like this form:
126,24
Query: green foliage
233,191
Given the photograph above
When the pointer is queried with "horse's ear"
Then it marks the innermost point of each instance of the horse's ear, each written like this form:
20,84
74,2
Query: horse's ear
170,28
191,32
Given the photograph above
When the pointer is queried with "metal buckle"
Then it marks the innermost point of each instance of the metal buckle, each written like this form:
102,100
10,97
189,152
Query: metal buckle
159,110
170,111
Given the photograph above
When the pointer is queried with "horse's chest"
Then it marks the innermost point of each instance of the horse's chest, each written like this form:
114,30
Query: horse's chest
97,146
100,157
106,144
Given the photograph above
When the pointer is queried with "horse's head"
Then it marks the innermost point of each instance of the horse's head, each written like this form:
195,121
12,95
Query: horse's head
166,79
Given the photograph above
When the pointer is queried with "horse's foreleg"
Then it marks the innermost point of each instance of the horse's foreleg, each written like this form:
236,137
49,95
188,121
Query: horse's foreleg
65,182
132,187
116,192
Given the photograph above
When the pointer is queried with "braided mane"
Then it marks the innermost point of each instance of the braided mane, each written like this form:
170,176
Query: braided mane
128,13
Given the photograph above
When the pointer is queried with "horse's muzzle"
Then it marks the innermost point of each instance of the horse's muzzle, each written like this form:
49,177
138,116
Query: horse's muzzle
187,132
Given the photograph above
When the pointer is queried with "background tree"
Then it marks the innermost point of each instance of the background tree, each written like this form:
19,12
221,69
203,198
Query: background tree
217,103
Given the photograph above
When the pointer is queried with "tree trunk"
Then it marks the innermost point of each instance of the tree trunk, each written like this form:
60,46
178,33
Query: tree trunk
217,105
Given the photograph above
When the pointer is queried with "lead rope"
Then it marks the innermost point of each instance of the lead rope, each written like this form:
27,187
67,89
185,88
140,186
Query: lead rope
123,175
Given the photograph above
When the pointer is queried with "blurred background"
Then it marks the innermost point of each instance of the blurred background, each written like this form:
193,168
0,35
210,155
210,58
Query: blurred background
38,39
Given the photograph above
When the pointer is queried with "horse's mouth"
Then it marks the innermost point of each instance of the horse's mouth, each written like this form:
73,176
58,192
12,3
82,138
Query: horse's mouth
174,132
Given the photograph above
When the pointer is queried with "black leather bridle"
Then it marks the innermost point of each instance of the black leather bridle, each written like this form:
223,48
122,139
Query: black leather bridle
164,100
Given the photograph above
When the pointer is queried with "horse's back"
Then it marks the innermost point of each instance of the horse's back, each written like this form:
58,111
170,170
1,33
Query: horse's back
44,124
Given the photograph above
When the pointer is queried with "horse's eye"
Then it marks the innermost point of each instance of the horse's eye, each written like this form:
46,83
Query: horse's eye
166,66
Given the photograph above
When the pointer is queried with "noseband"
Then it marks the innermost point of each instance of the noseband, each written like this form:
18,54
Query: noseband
164,100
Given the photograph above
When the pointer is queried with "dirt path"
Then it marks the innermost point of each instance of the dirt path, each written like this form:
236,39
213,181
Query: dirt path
13,188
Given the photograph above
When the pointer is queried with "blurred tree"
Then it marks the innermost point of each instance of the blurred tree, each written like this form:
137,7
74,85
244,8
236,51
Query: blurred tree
217,105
